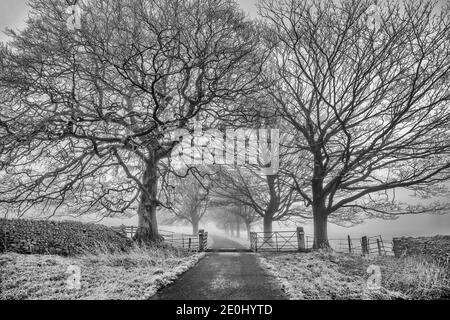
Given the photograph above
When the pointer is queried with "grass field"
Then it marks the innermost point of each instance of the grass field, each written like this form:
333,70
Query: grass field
134,275
327,275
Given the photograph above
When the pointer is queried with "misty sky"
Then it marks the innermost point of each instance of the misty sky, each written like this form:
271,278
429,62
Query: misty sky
14,12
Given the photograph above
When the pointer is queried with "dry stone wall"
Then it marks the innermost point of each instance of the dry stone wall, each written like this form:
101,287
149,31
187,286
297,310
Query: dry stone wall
55,237
437,247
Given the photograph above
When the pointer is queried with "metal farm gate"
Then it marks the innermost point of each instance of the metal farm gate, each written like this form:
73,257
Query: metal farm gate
278,241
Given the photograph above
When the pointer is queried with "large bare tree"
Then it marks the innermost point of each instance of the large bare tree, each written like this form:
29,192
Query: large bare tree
367,98
86,114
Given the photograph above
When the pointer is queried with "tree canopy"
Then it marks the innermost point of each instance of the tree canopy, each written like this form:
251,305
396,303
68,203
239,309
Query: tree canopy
89,115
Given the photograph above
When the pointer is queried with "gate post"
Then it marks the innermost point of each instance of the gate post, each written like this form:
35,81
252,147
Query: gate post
379,247
254,241
201,236
301,239
364,246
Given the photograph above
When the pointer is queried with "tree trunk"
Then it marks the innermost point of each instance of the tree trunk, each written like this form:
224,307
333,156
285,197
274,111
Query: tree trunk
247,227
195,224
267,223
320,228
147,225
273,206
238,227
320,213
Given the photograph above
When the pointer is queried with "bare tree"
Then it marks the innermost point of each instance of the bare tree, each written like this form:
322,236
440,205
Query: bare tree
245,214
190,198
86,115
368,103
272,197
248,216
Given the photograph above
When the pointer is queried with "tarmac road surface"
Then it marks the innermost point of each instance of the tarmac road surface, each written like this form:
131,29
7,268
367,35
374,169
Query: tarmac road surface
224,276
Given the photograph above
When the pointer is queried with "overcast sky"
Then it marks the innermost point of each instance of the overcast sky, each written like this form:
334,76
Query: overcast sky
14,12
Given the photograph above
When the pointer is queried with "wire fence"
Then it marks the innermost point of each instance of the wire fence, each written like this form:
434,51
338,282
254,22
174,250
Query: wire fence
278,241
374,245
128,231
194,242
182,240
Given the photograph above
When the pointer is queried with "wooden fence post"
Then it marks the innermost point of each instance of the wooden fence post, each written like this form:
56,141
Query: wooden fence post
254,241
379,247
349,244
301,239
276,239
364,245
201,235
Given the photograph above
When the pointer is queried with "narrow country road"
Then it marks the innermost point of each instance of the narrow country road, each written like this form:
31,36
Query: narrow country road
224,276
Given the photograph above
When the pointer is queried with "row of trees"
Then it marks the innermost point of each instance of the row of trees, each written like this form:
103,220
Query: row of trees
362,110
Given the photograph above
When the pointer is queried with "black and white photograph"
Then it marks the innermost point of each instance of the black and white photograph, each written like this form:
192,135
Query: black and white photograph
237,152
